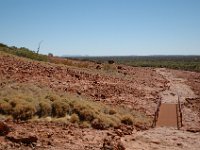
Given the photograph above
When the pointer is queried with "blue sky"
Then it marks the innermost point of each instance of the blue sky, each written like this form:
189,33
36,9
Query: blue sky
102,27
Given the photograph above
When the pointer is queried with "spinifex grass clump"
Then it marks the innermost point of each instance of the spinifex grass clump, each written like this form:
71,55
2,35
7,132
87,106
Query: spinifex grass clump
5,107
45,109
23,111
60,108
25,101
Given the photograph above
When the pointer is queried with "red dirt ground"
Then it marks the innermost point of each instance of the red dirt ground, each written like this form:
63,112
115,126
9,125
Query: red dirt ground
135,88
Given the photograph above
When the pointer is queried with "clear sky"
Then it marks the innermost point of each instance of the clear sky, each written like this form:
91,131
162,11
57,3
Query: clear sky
102,27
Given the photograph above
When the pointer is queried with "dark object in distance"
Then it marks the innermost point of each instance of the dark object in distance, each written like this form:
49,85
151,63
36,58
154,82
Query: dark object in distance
111,61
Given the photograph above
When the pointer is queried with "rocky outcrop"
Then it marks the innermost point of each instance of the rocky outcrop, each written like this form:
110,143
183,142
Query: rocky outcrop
4,129
26,138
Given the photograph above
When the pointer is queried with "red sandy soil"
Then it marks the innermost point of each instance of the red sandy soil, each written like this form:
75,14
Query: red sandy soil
58,136
136,88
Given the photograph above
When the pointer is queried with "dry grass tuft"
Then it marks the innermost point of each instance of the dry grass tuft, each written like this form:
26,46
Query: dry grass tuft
74,118
27,101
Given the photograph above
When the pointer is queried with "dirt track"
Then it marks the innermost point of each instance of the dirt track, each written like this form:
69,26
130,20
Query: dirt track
177,87
169,137
164,138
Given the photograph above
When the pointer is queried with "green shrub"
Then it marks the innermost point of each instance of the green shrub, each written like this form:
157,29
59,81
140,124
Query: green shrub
23,52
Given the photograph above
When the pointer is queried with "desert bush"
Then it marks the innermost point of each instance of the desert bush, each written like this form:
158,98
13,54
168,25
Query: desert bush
74,118
98,124
85,124
127,119
112,112
52,97
60,108
84,111
23,101
3,45
112,121
45,109
23,111
16,100
109,67
86,114
5,108
108,120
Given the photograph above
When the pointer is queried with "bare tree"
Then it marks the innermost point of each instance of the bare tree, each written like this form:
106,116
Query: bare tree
39,46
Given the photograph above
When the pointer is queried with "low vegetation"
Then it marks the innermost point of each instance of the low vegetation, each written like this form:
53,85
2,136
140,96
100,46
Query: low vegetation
27,53
191,63
23,101
23,52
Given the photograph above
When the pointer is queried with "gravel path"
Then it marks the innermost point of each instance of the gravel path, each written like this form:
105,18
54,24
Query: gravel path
169,138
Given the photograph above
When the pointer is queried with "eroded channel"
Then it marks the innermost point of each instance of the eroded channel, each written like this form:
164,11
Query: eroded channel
174,95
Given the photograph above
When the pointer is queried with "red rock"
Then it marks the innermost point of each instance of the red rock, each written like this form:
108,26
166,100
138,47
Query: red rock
25,139
4,129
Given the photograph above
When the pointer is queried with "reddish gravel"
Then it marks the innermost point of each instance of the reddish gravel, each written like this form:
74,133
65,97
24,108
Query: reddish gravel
136,88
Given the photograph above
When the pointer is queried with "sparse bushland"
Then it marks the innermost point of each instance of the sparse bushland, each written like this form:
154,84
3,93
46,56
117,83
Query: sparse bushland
27,53
191,63
68,62
23,52
25,101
